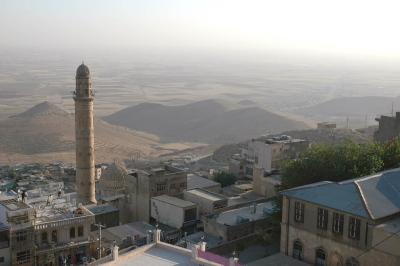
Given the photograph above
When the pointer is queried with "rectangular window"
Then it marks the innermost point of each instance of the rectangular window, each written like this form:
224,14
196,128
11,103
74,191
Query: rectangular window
54,236
182,185
160,187
337,223
299,212
190,215
21,236
322,219
23,257
354,228
44,237
72,232
80,231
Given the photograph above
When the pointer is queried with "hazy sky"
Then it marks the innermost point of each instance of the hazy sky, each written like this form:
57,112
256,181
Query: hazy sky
335,26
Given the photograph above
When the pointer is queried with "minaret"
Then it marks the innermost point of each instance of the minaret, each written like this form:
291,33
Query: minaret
84,136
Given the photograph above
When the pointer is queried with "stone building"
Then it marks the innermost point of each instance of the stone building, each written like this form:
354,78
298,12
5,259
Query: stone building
174,212
389,128
19,217
44,233
62,233
144,184
240,222
131,190
84,136
4,245
266,153
265,184
350,223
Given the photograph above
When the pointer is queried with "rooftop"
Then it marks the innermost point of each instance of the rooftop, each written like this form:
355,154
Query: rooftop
160,255
58,209
278,259
248,213
174,201
14,204
278,139
104,208
375,196
195,181
206,194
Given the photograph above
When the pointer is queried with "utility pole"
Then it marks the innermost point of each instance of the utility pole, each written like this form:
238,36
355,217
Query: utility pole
99,225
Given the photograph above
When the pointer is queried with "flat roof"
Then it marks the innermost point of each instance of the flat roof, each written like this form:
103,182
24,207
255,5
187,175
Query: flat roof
174,201
156,255
14,204
205,194
59,209
277,259
103,208
231,217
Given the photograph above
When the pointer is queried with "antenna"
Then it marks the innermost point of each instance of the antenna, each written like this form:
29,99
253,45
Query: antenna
392,108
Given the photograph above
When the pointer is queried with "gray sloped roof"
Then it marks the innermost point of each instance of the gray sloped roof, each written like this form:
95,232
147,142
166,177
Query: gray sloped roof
195,181
340,196
381,193
374,196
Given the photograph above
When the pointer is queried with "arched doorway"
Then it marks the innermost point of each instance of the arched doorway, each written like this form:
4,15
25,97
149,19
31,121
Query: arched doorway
298,250
320,257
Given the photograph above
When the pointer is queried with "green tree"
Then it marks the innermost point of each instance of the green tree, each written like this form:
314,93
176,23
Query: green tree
224,178
334,163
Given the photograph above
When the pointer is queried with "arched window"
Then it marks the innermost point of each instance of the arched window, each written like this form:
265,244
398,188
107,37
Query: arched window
298,250
352,262
320,257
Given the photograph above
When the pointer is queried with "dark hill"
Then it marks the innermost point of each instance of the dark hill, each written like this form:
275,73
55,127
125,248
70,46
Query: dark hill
206,121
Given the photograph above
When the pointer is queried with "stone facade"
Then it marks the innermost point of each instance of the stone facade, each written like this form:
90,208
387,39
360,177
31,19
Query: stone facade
338,248
84,135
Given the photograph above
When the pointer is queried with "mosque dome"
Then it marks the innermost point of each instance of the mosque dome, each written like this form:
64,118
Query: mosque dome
82,71
113,178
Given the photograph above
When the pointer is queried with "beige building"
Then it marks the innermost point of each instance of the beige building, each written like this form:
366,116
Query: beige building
265,184
174,212
207,201
240,222
266,153
19,217
131,191
44,233
350,223
62,233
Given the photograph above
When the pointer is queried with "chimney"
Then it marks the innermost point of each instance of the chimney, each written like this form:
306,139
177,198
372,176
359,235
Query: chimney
195,254
157,236
203,246
233,261
114,252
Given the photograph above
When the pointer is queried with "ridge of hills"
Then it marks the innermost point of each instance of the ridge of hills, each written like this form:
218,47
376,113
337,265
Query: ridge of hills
46,132
206,121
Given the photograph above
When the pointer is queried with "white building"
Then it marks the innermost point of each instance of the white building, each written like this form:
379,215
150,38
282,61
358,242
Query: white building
266,153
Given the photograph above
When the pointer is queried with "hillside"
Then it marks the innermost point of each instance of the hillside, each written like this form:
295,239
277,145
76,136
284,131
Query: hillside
45,132
206,121
353,106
